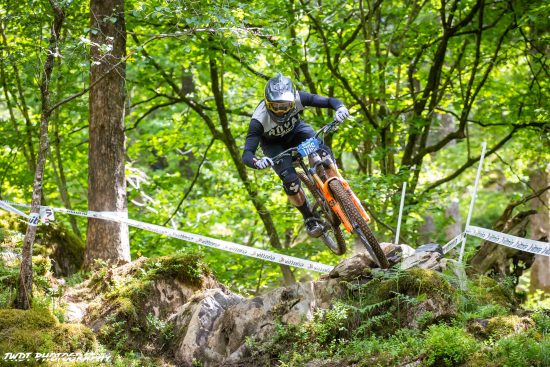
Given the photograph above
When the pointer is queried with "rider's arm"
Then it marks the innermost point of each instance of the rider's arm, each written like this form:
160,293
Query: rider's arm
255,131
314,100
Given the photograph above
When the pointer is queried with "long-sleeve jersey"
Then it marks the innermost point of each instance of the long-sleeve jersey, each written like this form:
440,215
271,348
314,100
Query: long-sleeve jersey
263,129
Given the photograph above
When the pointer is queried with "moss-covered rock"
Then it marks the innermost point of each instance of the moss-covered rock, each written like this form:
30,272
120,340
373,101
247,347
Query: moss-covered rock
34,318
64,248
38,331
502,326
414,282
131,303
413,298
188,268
53,241
486,290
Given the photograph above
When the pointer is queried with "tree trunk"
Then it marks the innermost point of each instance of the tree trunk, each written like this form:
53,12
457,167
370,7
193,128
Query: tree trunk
106,177
540,230
24,292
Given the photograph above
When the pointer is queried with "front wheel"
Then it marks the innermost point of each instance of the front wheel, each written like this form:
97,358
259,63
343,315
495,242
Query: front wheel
332,234
359,223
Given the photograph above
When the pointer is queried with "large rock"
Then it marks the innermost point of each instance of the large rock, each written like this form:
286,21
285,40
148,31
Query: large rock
197,327
362,261
129,306
213,326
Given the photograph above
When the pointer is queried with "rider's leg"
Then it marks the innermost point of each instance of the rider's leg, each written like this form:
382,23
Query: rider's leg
291,185
297,198
300,202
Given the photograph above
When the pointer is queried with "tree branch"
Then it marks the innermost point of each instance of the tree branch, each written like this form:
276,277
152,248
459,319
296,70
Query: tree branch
470,162
151,110
197,174
191,103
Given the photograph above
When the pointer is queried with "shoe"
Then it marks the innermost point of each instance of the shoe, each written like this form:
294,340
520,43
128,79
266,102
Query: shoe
314,227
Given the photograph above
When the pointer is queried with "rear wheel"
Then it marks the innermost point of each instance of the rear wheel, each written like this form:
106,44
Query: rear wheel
332,234
359,223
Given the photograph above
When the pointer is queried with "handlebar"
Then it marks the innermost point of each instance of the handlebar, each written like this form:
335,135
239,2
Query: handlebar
289,152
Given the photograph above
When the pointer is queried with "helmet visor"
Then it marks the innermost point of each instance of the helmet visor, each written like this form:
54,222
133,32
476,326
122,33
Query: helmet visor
280,107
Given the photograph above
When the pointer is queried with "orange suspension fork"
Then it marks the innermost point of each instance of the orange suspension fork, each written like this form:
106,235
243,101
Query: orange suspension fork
336,207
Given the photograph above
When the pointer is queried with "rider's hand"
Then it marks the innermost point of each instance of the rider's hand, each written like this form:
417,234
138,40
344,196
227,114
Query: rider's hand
263,163
341,114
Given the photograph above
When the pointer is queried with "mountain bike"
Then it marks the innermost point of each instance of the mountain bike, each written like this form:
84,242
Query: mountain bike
335,203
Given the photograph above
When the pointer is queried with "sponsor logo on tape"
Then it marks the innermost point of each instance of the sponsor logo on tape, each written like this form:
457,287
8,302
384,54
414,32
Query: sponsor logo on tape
518,243
46,215
34,219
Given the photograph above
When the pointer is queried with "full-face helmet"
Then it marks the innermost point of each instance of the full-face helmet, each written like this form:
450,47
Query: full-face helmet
280,98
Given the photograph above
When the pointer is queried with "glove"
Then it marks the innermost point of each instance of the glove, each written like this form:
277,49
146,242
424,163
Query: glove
341,114
263,163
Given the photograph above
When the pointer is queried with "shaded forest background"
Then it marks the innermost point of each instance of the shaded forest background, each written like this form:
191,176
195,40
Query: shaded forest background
426,82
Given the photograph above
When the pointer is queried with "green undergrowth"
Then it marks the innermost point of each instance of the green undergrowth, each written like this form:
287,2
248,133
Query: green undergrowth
118,298
416,317
131,325
54,241
44,292
38,331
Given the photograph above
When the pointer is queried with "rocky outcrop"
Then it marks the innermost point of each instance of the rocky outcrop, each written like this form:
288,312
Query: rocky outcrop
210,324
214,325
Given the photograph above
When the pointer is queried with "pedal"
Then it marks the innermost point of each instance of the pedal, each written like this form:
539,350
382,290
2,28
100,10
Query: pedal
314,227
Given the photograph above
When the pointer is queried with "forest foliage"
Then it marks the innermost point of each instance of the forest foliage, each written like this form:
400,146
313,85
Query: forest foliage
427,82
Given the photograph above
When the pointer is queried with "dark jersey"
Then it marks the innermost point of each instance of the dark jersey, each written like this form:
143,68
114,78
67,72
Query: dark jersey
263,129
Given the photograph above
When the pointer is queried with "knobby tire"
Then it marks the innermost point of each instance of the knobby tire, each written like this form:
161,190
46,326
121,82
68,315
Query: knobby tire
355,218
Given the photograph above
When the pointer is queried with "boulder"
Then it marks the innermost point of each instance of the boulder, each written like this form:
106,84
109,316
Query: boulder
213,327
353,267
197,327
394,253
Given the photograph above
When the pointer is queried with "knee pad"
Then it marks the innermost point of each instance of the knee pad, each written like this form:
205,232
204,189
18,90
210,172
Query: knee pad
291,182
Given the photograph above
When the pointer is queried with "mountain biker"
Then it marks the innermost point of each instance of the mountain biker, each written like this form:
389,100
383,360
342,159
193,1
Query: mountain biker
276,125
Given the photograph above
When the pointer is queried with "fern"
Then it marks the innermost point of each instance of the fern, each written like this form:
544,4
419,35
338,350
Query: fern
371,308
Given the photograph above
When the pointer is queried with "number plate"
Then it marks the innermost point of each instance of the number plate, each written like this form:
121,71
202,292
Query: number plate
309,146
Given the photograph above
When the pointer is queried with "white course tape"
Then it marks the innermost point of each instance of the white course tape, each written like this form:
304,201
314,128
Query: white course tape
201,240
452,243
518,243
4,205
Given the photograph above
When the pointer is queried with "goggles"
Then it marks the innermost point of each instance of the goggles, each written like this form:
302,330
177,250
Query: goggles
280,107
